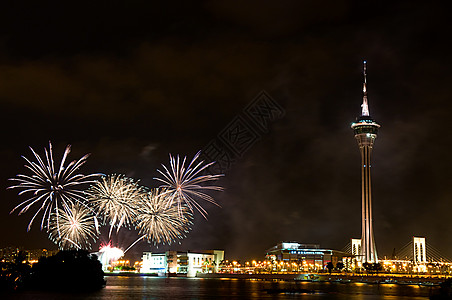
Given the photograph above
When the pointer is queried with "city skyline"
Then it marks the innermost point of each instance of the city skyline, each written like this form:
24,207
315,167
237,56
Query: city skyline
134,83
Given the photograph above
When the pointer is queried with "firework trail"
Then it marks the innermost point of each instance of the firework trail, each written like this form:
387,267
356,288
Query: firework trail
115,199
74,228
160,222
50,187
183,184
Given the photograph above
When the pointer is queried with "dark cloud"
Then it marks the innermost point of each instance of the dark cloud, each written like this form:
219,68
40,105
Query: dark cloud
133,82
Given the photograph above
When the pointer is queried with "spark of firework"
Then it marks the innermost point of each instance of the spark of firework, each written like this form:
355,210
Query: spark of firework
115,198
108,254
184,183
162,222
52,187
74,228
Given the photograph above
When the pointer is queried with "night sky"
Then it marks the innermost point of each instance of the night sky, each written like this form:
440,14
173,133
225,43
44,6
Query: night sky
131,82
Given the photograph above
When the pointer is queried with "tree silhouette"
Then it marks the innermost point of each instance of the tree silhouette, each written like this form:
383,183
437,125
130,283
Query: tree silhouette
70,270
330,266
372,267
13,275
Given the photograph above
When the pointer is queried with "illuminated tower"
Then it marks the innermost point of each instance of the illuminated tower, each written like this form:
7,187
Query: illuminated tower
365,129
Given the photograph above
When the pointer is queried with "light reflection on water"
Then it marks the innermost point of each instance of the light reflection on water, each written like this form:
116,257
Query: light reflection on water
137,287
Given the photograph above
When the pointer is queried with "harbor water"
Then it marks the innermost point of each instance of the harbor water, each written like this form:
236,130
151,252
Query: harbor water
147,287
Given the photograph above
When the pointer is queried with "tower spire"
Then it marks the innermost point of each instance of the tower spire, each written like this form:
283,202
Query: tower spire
365,106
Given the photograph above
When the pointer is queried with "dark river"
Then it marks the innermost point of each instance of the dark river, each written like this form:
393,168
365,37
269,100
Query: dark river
136,287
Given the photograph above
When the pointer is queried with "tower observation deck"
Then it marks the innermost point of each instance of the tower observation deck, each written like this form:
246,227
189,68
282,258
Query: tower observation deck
366,129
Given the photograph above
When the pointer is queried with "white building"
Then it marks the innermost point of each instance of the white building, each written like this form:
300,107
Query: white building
155,263
184,263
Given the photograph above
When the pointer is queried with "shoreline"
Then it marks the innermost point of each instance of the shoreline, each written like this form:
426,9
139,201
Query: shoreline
340,278
312,277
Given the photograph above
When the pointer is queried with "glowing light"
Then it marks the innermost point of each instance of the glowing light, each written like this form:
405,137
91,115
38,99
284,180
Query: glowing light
74,228
108,254
365,106
161,221
115,199
53,188
183,183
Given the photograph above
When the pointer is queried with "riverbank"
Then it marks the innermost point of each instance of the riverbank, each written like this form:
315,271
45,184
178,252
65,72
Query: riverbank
310,277
343,278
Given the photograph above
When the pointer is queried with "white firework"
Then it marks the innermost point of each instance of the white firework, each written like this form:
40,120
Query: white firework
75,228
52,188
162,222
184,183
115,198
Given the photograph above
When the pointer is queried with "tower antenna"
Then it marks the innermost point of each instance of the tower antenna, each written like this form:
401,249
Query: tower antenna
365,106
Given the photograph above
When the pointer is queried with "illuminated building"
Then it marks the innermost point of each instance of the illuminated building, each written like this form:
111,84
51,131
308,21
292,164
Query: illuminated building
154,263
365,129
9,254
184,263
36,254
307,256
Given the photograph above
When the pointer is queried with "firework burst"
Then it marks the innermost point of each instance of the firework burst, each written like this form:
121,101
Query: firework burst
183,183
115,199
75,228
108,254
54,188
162,222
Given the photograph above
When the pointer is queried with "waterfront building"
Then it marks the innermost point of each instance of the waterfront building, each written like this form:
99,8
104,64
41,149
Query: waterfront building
365,129
154,263
183,263
308,257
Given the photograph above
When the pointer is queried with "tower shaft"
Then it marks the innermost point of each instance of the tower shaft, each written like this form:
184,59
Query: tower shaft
368,248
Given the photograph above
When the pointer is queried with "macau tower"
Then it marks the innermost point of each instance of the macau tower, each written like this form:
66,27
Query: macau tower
365,129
